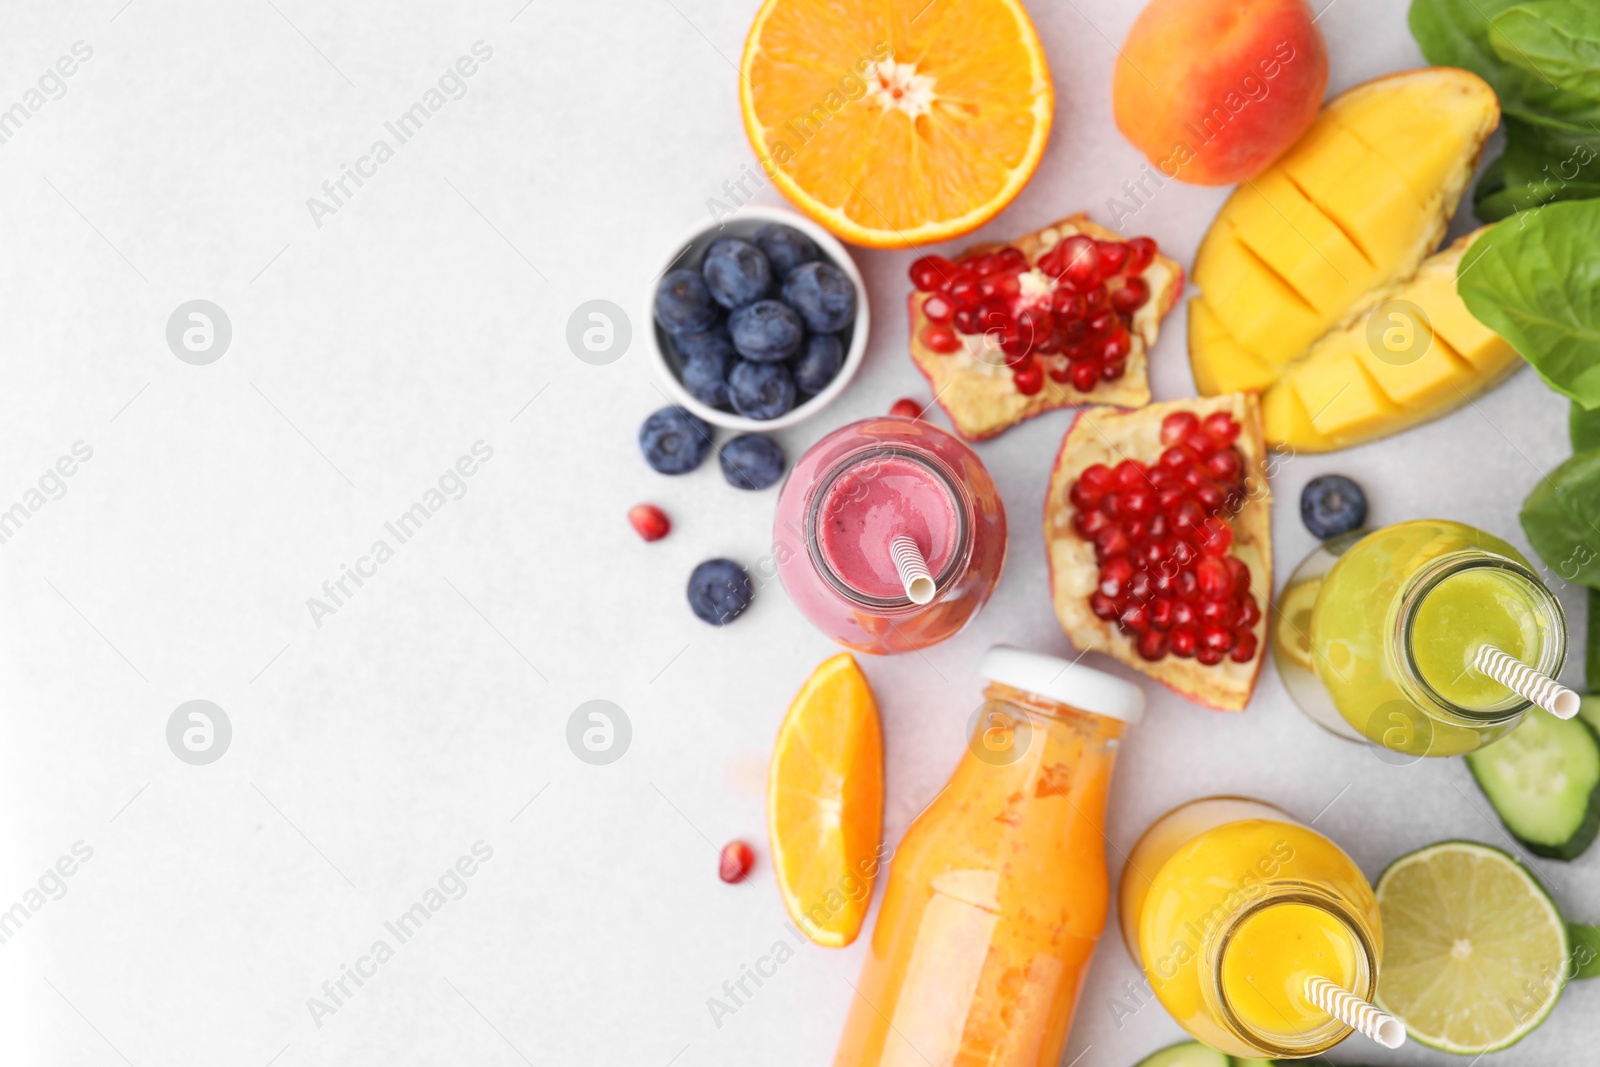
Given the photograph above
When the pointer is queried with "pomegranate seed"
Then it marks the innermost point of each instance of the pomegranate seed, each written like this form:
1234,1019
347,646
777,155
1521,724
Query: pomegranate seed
931,273
1028,380
1183,614
1049,343
1098,478
1101,325
1212,575
1158,526
1113,369
1103,606
1050,262
939,338
938,308
1141,253
1114,575
1245,649
1152,645
1176,458
1130,475
1088,523
1117,346
649,521
1215,611
906,408
1111,541
1238,574
1134,619
1183,553
1220,427
1216,538
1209,497
1216,637
999,286
963,289
1113,257
1080,263
1225,465
1138,502
1208,657
984,265
996,315
1085,376
1249,613
1133,295
1182,642
735,862
1177,426
1073,332
1096,300
1060,373
1161,610
1139,586
1067,305
1012,259
1200,444
968,321
1187,517
1185,583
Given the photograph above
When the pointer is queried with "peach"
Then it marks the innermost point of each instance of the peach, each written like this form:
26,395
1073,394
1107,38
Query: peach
1212,91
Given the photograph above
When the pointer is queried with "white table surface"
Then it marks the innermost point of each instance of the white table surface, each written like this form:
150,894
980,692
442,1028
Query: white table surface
428,313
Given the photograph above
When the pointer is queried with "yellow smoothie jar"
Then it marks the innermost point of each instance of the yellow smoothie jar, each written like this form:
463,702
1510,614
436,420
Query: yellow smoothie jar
1229,905
1376,631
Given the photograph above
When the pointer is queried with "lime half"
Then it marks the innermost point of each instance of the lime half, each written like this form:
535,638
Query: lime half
1474,950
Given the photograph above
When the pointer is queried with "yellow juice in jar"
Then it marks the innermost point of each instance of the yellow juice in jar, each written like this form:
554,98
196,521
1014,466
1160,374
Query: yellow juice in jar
1229,906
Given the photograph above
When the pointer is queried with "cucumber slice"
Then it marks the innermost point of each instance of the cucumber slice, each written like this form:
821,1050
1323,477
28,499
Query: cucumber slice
1585,950
1188,1054
1543,779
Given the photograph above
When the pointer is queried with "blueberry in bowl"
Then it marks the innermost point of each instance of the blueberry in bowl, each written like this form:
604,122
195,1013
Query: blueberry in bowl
767,331
764,288
736,272
824,297
761,391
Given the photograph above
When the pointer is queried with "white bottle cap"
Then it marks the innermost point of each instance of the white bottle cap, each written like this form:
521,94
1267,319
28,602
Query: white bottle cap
1063,680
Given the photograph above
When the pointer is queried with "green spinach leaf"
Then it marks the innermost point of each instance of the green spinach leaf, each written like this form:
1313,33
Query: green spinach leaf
1535,280
1455,33
1562,519
1540,165
1557,41
1583,429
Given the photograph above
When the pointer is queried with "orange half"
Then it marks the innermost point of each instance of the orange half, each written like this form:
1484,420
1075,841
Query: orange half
825,802
896,122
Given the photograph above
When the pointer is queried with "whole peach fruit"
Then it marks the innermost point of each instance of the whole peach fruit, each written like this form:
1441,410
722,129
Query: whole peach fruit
1212,91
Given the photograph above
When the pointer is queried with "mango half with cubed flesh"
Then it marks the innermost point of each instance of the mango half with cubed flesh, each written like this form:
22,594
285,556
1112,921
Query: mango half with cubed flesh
1317,289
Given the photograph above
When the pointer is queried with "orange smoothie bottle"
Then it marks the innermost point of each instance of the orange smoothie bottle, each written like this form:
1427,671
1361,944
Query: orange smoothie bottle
1229,906
998,891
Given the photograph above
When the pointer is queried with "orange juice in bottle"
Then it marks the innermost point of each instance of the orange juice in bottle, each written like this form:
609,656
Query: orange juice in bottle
1229,906
998,891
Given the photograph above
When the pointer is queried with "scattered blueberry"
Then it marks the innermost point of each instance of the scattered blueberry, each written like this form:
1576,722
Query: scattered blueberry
751,461
683,304
719,591
822,294
766,331
1331,505
760,390
786,247
674,441
690,345
818,363
736,272
706,376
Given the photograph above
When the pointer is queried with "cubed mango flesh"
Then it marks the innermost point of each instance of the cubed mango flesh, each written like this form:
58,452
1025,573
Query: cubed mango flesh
1311,252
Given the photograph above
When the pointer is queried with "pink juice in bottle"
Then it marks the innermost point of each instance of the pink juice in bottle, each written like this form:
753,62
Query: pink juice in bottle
851,495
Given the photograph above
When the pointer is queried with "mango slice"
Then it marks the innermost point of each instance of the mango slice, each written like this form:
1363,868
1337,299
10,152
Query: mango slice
1309,254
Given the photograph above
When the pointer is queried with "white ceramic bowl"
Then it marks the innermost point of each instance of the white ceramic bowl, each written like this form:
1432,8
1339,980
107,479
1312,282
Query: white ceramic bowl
688,252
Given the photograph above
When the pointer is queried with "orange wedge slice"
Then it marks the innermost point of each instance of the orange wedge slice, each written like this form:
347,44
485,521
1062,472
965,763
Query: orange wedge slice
825,802
896,122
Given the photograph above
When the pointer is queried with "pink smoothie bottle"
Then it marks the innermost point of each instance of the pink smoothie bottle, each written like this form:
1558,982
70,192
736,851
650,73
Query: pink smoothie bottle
851,495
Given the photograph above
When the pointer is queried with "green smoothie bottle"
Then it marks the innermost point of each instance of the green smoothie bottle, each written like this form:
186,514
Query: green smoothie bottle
1377,633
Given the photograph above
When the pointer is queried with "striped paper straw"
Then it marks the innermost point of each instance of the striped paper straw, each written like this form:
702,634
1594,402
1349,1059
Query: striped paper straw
1526,682
1355,1013
914,574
